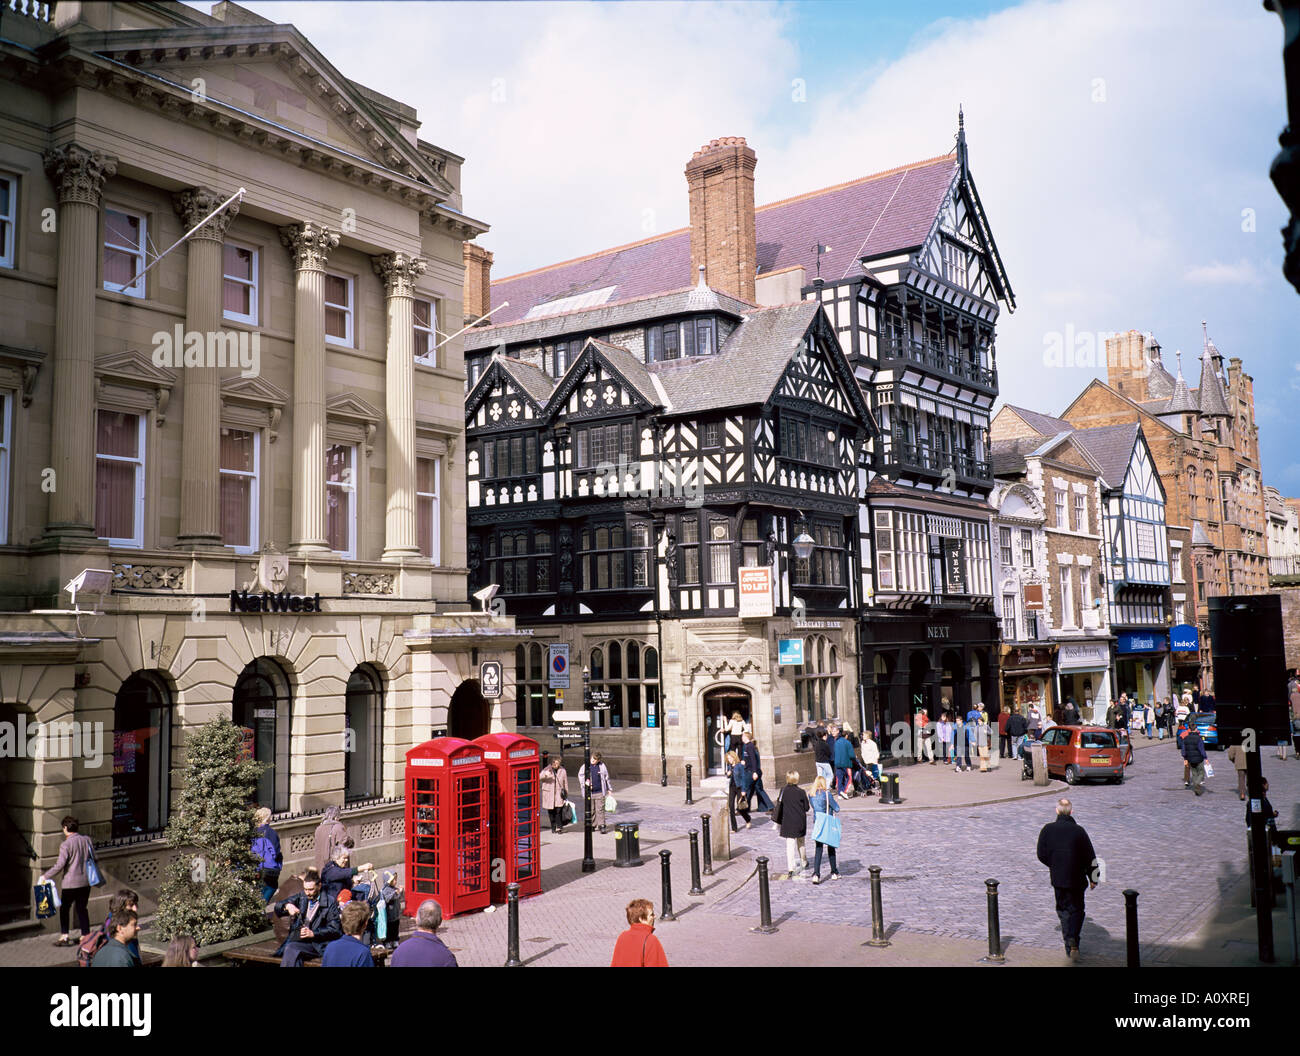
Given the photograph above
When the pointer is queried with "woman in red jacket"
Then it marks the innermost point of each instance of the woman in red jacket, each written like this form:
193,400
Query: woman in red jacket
637,947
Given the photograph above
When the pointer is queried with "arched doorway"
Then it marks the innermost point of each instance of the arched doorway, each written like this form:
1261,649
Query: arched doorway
260,706
142,748
470,714
953,686
719,704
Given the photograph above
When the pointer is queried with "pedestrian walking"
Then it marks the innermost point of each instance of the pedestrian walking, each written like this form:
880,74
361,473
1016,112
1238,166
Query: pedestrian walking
329,834
422,948
1237,756
637,947
826,829
734,730
824,754
737,790
983,735
348,951
1004,738
1034,716
844,760
945,737
924,733
116,952
1017,727
266,849
1067,852
754,767
554,783
791,814
1110,715
75,854
314,918
1161,706
600,788
1194,755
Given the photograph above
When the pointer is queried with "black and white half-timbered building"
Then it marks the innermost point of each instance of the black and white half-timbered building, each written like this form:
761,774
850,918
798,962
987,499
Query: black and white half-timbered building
630,467
626,356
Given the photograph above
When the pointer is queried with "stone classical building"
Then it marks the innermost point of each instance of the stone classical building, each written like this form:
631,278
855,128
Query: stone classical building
257,436
1283,533
1206,448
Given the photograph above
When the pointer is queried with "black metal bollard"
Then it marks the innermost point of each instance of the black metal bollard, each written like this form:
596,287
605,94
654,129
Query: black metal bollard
764,901
667,914
689,801
995,926
696,888
512,927
877,910
705,823
1131,926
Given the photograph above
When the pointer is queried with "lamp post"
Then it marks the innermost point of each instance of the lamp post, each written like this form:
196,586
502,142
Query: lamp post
588,858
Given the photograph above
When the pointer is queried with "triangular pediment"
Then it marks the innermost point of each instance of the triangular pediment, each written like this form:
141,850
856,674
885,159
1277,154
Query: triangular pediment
275,74
253,390
345,405
133,367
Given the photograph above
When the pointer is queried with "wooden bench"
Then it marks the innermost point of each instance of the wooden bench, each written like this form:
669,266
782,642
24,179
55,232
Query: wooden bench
263,953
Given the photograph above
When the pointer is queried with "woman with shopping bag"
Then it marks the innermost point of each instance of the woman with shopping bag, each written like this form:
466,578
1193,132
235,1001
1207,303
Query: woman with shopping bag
76,862
826,829
600,787
554,781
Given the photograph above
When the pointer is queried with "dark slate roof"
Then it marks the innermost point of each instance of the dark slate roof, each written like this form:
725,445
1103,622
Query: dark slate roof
886,213
1181,401
633,370
600,317
1009,455
1111,447
1043,424
1212,400
745,369
535,382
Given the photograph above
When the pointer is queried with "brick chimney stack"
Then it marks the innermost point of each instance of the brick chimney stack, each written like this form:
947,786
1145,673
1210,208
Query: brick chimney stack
478,282
720,181
1128,364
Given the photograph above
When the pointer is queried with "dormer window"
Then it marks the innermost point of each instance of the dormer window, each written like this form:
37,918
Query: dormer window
690,337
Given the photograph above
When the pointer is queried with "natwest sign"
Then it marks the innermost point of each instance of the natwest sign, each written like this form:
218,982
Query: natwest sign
243,601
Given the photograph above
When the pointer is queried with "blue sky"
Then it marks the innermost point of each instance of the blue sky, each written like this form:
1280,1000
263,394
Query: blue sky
1121,149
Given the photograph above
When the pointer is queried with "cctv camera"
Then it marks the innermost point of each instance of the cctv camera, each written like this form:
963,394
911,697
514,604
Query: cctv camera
487,594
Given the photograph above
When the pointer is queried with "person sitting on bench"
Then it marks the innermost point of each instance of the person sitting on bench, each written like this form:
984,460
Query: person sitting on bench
350,951
315,922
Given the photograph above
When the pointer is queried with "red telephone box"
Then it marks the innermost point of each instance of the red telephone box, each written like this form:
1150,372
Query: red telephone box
447,833
512,763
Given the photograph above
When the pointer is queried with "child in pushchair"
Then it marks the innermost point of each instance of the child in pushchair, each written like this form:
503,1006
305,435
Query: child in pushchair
1027,760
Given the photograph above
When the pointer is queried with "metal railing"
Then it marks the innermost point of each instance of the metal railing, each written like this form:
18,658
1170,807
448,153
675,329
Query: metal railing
926,457
935,357
1284,566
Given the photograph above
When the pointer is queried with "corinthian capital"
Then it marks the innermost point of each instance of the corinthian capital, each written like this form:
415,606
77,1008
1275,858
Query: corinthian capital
196,203
78,173
398,272
309,244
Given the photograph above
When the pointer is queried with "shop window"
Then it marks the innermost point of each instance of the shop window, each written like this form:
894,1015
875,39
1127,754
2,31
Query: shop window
141,756
534,699
363,756
629,671
260,706
816,680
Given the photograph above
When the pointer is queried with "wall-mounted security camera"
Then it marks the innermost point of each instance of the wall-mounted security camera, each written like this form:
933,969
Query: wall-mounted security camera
90,581
487,594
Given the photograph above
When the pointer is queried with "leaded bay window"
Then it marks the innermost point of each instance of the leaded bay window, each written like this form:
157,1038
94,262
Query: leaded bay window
688,545
629,671
719,550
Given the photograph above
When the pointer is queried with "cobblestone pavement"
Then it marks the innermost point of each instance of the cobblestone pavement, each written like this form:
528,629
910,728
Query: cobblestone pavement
1182,854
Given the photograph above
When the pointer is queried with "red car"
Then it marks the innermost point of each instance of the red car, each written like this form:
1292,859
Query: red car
1085,753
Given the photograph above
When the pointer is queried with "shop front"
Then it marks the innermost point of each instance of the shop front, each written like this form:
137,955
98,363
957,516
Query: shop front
1142,665
1185,656
1084,674
1027,679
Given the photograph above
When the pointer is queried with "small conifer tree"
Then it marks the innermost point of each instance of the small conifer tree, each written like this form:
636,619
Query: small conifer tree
212,891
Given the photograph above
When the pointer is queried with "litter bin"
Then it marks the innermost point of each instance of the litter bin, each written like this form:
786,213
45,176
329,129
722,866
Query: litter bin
627,844
889,788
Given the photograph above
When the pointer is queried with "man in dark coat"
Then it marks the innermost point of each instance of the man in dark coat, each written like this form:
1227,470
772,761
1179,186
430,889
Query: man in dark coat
1067,852
1071,713
315,922
749,756
1194,756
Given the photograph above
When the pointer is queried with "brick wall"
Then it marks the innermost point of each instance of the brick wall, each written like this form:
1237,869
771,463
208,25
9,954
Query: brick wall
720,181
1290,622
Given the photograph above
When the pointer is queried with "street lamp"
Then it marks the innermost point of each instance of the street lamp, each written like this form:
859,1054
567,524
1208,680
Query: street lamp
803,543
588,859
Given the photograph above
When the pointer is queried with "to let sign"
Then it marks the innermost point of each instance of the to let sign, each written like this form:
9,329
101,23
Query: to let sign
755,593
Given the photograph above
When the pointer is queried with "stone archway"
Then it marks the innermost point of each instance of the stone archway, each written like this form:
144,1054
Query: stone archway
469,713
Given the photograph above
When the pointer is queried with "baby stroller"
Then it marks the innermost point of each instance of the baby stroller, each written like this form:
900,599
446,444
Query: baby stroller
1027,760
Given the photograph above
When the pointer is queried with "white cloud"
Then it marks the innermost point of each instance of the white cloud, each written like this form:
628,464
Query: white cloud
1243,272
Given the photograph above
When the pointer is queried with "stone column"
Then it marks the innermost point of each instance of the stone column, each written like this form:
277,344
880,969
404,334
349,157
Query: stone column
78,175
309,244
399,273
201,392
